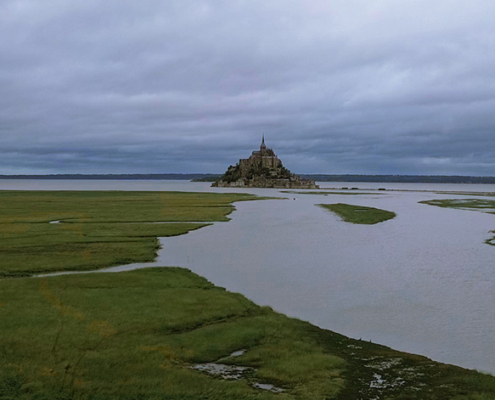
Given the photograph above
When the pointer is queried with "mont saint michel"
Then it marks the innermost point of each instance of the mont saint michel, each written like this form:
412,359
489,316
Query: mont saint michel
263,169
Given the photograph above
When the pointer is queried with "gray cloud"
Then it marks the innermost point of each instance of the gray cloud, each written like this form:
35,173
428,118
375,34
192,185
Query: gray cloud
189,86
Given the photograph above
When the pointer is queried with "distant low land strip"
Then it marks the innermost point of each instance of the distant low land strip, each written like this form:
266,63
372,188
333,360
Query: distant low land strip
198,177
321,193
483,205
174,176
400,178
359,214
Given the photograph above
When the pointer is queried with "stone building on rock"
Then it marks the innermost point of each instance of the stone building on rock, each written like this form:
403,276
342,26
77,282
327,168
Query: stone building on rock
262,169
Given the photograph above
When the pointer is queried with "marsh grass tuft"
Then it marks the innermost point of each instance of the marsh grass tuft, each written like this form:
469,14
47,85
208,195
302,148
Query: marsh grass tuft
359,214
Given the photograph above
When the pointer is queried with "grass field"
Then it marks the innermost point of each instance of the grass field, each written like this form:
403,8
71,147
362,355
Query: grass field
359,214
136,335
97,229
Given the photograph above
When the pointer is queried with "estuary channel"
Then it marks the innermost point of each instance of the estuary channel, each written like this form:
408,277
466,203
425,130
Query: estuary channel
423,282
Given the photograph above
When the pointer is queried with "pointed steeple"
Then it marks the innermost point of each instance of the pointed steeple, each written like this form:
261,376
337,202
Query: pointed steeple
263,146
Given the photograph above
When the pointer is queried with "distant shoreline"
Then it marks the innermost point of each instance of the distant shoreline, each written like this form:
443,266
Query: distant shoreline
315,177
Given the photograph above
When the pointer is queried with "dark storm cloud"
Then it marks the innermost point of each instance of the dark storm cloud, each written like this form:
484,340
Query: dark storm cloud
189,86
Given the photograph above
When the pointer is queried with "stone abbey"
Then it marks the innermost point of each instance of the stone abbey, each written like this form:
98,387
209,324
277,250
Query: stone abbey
262,169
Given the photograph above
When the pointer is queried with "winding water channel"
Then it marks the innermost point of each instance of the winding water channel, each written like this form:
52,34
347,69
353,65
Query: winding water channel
423,282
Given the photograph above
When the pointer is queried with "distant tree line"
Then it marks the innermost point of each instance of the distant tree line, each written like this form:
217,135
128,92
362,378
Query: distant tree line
401,178
233,175
174,176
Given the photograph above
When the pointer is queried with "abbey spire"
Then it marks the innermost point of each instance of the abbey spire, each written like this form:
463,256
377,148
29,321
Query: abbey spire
263,169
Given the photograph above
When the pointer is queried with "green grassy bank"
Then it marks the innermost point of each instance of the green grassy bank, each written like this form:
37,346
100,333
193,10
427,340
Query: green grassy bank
359,214
97,229
136,335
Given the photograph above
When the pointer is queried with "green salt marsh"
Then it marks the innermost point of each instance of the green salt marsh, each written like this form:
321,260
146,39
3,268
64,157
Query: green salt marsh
359,214
145,334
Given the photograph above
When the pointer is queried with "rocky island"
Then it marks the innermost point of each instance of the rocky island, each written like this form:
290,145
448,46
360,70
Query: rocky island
263,169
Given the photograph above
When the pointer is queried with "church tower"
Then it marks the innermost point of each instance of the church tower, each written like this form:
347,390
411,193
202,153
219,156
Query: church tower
262,169
263,146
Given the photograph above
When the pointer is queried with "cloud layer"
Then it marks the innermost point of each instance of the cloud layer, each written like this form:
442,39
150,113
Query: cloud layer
347,86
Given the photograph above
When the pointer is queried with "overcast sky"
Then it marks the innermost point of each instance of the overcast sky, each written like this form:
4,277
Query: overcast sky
336,86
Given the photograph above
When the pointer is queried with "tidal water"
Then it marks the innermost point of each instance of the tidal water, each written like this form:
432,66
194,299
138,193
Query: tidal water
423,282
